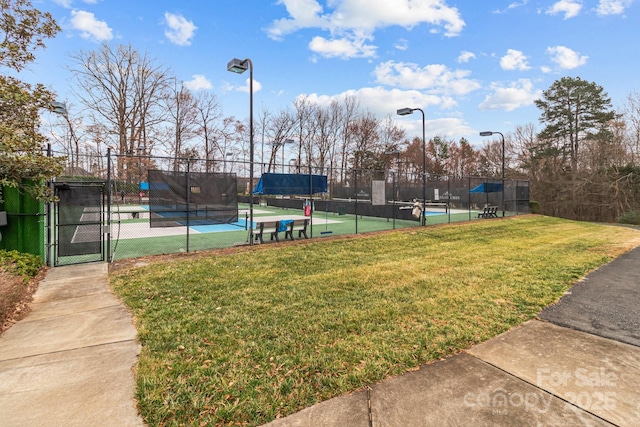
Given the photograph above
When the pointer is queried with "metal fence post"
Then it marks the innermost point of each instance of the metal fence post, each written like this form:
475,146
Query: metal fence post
109,259
188,201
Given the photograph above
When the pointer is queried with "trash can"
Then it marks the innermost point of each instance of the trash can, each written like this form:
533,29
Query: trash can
342,210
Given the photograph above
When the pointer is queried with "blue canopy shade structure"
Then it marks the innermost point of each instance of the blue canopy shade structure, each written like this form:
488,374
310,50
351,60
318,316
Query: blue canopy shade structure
487,187
289,184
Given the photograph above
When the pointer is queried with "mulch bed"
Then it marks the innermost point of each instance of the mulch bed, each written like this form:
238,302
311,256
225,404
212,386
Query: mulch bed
15,296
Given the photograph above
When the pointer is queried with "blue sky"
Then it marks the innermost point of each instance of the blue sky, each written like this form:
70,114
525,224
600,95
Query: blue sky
471,65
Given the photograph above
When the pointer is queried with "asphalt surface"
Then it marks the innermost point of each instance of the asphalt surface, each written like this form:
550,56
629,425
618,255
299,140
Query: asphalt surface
605,303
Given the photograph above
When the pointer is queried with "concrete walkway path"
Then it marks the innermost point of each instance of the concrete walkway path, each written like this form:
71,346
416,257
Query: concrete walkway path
70,361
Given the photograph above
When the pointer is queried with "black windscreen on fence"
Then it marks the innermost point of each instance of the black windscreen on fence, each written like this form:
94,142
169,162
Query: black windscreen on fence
192,198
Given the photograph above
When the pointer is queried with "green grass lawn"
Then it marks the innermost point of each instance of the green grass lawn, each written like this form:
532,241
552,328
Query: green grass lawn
241,338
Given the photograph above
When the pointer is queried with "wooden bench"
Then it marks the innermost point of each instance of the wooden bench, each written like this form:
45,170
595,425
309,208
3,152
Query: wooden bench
266,227
489,212
299,225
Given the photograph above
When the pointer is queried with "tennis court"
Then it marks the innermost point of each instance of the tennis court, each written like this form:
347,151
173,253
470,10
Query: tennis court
132,235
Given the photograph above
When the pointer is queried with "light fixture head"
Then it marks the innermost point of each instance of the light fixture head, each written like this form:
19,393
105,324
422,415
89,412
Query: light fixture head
237,66
59,108
405,111
486,133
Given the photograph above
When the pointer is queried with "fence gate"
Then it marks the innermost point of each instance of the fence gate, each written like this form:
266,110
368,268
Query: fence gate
78,219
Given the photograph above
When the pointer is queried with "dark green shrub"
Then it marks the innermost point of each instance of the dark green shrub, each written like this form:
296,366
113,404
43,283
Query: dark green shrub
534,207
20,264
631,217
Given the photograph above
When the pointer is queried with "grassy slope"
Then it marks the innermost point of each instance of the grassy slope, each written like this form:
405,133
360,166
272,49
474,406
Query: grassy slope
246,337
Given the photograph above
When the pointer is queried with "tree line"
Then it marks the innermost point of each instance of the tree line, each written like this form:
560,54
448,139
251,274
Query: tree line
135,106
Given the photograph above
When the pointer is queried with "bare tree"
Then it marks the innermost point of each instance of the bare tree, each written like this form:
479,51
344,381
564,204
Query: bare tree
462,159
279,129
230,137
327,127
305,110
182,116
631,113
122,89
350,112
263,122
208,113
365,137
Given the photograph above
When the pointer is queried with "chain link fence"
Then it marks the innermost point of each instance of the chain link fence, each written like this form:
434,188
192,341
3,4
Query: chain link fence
161,205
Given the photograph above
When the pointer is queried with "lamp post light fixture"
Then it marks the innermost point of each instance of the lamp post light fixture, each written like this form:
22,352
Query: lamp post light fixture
239,66
406,112
489,133
61,109
224,166
282,144
393,199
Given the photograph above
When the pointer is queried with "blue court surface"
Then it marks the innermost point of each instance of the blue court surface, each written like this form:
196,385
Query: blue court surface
239,225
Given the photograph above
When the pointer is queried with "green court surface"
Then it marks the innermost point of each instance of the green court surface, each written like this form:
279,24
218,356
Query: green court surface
132,236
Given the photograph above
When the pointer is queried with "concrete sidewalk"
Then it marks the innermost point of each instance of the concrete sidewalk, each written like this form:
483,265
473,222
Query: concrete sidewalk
70,361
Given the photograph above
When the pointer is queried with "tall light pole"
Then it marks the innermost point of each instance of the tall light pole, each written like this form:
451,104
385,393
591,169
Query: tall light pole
286,141
224,166
61,109
489,133
406,112
393,200
282,144
240,66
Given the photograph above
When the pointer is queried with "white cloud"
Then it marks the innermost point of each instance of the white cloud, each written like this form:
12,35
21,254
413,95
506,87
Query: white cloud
67,3
566,58
451,127
89,26
466,56
257,87
436,78
373,14
198,82
612,7
570,8
304,14
179,31
381,101
511,6
515,95
517,5
342,48
355,20
64,3
514,60
402,44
